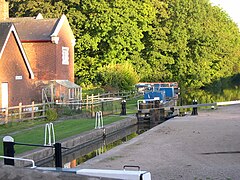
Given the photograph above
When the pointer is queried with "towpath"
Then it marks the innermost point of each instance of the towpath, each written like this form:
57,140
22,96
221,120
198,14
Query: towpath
206,146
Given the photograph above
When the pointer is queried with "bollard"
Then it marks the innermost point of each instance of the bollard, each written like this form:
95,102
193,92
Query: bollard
8,150
157,104
123,112
194,110
58,155
104,134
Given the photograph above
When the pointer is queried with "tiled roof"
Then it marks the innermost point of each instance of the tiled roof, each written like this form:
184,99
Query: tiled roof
67,84
36,28
4,31
31,29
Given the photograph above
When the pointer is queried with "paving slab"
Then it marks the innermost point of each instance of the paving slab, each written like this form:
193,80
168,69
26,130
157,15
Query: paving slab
206,146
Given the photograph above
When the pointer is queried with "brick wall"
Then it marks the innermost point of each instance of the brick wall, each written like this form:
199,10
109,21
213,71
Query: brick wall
42,57
12,65
4,10
46,57
65,40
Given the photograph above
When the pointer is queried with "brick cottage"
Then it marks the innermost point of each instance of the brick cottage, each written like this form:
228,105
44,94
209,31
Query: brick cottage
36,59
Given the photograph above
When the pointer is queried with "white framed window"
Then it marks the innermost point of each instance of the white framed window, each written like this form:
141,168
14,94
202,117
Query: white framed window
65,55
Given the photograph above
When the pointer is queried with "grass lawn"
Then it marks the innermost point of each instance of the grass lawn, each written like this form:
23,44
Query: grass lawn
62,129
132,106
32,131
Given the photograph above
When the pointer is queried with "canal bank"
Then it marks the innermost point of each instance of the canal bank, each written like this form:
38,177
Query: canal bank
206,146
43,156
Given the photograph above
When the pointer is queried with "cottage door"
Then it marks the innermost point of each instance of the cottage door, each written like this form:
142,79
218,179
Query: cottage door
4,95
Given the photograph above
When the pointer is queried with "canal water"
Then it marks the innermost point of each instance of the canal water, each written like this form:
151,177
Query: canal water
187,96
74,156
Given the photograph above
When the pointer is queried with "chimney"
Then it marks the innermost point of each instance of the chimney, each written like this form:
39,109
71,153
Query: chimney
4,10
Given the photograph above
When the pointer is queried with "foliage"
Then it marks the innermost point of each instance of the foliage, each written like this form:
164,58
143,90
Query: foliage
205,40
120,76
93,90
189,41
51,114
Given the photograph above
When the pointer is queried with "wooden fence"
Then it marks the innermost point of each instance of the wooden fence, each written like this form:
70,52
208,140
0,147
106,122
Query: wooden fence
22,112
108,103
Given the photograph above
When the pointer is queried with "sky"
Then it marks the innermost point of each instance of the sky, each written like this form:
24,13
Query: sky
231,7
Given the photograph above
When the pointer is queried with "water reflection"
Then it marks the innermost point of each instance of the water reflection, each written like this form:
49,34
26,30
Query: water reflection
104,146
120,137
79,154
210,96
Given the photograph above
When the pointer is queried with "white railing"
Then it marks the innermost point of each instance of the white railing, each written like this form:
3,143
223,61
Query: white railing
20,159
99,120
49,134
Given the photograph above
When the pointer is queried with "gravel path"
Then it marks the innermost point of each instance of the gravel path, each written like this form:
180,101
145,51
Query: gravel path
206,146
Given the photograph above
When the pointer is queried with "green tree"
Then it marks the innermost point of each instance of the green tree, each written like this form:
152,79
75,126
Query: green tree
112,32
205,42
157,47
189,41
119,76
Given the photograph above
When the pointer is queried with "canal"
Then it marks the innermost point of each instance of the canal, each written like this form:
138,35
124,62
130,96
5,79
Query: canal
209,95
79,154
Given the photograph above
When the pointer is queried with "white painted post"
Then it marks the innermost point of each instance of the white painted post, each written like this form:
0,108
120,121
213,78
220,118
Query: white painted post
20,111
101,119
81,94
96,120
87,103
44,108
32,114
92,106
52,93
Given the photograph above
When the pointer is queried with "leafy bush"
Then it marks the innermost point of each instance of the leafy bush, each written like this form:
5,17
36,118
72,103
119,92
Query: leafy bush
67,111
120,76
51,114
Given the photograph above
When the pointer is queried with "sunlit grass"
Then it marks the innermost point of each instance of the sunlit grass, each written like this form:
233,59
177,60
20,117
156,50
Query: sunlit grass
63,129
32,131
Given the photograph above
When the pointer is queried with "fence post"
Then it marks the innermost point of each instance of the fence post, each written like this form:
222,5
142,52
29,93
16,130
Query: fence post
8,150
52,93
87,103
92,107
44,108
6,115
81,94
33,110
20,110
